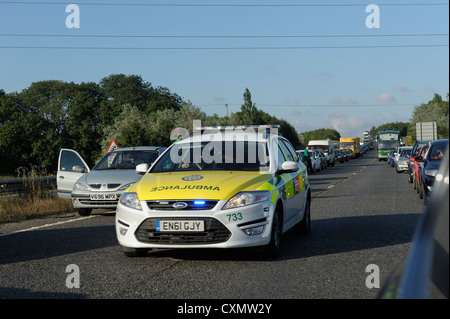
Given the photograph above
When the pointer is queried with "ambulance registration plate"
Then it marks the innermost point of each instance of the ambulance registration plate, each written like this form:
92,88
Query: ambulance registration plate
180,226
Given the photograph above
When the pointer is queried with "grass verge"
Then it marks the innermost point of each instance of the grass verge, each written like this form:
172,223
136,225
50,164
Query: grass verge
33,201
19,207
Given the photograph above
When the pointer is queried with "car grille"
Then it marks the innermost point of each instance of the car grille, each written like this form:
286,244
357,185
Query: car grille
215,232
191,205
97,186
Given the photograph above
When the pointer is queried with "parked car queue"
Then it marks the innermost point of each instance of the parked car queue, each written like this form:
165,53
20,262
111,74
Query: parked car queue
316,160
421,162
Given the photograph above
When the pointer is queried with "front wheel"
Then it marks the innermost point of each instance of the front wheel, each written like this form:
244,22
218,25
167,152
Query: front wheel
304,226
272,250
84,211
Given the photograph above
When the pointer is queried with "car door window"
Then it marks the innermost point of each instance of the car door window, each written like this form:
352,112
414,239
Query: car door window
70,159
287,154
281,158
291,150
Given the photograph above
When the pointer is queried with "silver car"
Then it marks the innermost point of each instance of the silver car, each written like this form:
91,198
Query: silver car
102,186
402,162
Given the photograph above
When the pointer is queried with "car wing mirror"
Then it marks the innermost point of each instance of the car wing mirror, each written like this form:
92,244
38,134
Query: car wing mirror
289,166
141,169
78,168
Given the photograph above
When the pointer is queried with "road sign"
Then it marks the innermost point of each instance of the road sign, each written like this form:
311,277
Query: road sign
426,131
112,146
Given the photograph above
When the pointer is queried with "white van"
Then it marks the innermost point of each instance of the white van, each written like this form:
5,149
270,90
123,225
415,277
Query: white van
327,147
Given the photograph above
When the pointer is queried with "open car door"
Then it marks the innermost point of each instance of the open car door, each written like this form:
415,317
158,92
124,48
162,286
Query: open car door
71,167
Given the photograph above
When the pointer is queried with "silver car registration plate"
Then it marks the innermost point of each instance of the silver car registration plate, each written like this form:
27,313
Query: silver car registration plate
103,196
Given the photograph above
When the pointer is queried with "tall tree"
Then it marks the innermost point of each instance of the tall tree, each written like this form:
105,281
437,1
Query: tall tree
249,112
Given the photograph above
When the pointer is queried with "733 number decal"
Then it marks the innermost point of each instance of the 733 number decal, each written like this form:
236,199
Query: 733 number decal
234,217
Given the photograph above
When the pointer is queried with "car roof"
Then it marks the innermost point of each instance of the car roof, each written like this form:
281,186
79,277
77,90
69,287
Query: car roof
139,148
217,137
440,141
253,133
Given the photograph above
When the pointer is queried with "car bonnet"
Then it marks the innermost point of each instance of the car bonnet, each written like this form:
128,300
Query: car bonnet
122,176
198,185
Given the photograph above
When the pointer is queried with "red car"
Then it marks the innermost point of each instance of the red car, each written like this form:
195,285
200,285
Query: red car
415,168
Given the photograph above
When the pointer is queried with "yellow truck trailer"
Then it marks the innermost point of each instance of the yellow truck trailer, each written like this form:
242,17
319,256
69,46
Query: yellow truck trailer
351,143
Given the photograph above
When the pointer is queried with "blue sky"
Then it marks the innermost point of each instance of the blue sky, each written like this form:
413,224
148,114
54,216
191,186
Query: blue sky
301,60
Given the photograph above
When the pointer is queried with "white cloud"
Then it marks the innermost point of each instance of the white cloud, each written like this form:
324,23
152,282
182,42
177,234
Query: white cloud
386,97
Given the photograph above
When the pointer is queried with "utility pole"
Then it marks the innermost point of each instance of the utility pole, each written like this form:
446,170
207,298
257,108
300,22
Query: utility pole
226,105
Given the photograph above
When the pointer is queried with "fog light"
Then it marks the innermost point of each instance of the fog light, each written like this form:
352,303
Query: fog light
123,231
253,231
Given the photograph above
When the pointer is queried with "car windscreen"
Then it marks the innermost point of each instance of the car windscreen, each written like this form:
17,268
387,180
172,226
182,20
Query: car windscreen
322,148
437,151
406,152
126,159
347,144
214,156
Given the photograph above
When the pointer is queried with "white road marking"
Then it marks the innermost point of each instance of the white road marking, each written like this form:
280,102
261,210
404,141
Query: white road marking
44,226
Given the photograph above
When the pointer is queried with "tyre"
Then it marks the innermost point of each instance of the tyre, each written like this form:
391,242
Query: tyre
304,226
272,250
84,211
425,198
417,185
420,190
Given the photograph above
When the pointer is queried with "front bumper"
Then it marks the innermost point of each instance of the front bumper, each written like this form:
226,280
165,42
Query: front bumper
428,183
89,199
232,228
402,166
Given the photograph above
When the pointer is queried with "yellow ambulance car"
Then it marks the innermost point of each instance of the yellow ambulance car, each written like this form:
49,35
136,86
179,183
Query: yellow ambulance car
223,188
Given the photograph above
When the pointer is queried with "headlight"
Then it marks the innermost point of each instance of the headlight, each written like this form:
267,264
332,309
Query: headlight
124,187
431,172
247,198
131,200
80,187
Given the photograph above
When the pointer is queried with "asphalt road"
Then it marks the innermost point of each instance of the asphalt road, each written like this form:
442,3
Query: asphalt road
363,213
